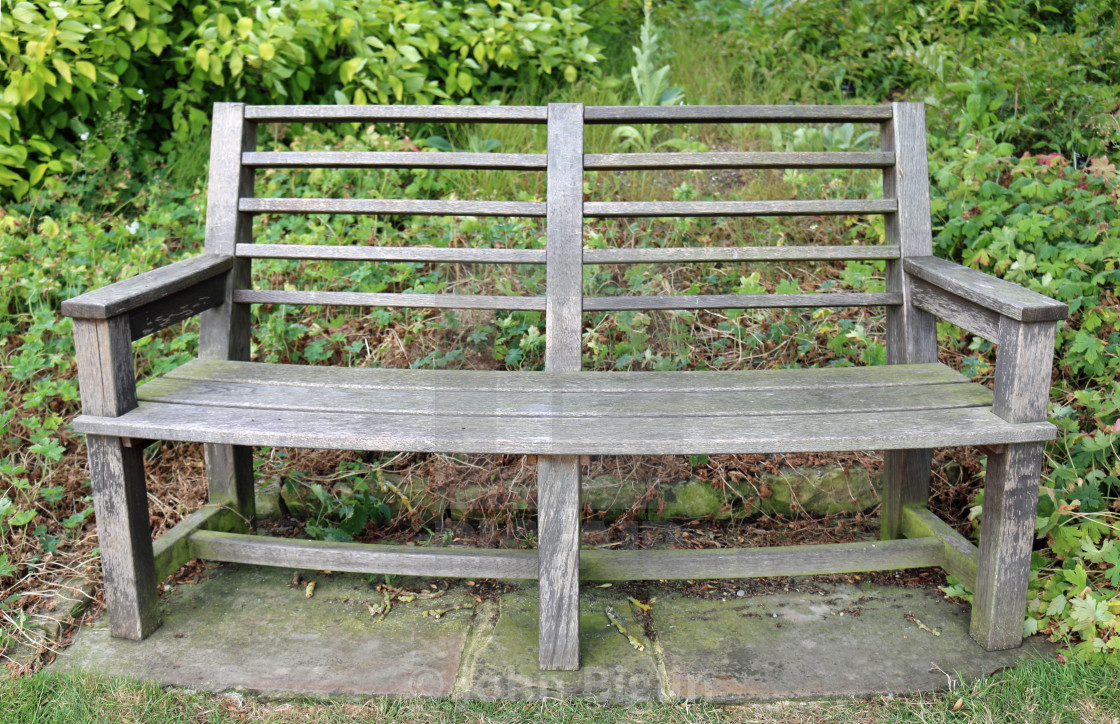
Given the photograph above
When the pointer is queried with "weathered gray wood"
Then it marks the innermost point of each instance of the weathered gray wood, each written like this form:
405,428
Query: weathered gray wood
229,476
144,289
723,159
553,435
503,403
393,206
907,477
398,114
602,565
124,537
1006,298
176,307
172,549
388,299
967,315
1024,365
647,255
394,159
742,301
363,557
376,378
558,534
961,556
393,253
736,114
106,375
822,207
1006,537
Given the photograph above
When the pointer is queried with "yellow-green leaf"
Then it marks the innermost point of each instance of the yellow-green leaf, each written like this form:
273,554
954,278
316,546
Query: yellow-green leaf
128,21
397,86
140,7
202,59
236,63
28,87
244,27
347,70
345,27
38,173
570,74
224,26
267,51
465,81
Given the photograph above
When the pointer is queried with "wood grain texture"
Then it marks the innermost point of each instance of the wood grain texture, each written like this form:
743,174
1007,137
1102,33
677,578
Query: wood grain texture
558,534
742,301
231,482
388,299
392,253
1006,537
502,403
176,307
392,206
1003,297
967,315
1024,365
552,435
147,288
398,113
737,253
638,565
723,159
106,374
564,290
363,557
172,550
906,482
395,159
961,557
823,207
120,502
736,114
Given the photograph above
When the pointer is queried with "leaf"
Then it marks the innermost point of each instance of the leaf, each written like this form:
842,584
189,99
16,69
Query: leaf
224,26
86,68
62,68
22,517
1056,606
202,59
349,69
28,87
244,27
266,50
1086,613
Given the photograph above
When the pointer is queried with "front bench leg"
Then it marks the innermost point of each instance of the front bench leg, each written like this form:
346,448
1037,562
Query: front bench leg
1006,539
558,534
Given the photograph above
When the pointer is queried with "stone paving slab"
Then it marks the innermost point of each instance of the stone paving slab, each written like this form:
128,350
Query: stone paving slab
245,629
501,661
841,640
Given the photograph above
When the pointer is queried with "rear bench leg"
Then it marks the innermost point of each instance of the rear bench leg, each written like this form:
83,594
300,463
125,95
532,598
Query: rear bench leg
120,500
1006,538
229,475
558,533
907,483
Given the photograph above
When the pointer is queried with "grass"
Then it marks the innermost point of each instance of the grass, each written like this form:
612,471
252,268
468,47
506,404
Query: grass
1037,691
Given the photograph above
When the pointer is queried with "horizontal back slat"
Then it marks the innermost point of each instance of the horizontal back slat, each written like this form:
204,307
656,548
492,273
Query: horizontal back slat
824,207
736,114
741,301
738,253
392,254
392,206
399,114
378,299
395,159
758,159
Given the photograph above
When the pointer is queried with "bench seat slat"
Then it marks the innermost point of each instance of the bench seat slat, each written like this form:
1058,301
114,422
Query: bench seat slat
845,378
388,299
473,403
567,436
741,301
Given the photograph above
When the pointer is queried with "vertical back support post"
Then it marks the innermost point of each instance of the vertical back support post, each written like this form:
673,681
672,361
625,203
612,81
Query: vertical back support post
224,332
1022,390
558,480
911,332
108,387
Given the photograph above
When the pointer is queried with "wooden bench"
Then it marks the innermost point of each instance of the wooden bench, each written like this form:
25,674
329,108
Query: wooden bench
906,408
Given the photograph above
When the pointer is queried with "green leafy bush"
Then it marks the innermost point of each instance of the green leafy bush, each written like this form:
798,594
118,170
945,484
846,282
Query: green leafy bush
68,64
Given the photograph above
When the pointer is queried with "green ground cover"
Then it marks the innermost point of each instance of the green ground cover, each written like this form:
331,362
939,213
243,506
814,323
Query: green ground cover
1024,129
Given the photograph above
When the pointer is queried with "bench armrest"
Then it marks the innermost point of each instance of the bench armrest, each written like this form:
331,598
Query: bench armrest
129,295
992,293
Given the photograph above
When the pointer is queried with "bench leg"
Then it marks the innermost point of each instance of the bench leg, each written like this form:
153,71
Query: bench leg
558,534
120,501
1006,539
906,483
229,475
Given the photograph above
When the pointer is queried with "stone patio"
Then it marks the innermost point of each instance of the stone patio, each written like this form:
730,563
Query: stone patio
245,629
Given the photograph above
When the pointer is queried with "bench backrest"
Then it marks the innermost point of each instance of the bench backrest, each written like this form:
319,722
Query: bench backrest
904,205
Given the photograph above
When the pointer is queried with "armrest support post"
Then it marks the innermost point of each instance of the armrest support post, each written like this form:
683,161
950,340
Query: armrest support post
106,376
1024,364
